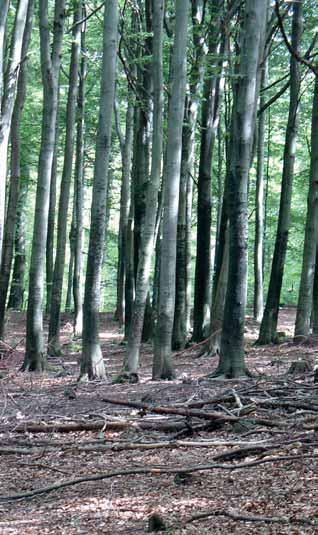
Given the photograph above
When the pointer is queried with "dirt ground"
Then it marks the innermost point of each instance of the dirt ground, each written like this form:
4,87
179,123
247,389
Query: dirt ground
253,471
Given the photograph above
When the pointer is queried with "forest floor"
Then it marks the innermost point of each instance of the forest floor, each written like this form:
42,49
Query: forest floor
230,457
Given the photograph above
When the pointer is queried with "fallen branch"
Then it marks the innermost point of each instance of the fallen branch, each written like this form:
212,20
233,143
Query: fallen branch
192,413
251,518
73,427
154,470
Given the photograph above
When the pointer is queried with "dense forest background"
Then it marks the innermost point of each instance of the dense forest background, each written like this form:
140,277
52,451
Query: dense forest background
163,84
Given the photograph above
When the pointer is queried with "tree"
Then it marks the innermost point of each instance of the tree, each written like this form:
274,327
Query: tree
148,231
92,364
8,86
304,306
209,121
56,295
15,178
231,363
79,192
50,62
162,366
269,322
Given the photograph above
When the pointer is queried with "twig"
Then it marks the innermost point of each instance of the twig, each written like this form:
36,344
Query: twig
251,518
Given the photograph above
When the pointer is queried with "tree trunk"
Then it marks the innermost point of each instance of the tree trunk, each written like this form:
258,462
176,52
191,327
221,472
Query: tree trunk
179,334
148,234
54,347
8,87
162,366
315,299
50,237
14,187
34,357
92,364
16,297
269,323
209,122
124,210
304,307
231,363
4,6
79,194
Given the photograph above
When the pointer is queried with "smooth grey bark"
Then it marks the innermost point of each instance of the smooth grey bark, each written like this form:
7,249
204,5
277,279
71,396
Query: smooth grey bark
315,299
50,65
50,237
218,305
92,364
16,298
192,103
305,297
231,362
8,85
162,365
54,346
70,273
15,174
4,6
79,195
269,322
209,122
259,205
126,152
149,225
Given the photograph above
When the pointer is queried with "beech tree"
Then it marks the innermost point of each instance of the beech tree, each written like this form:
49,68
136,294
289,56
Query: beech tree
50,61
162,366
56,294
148,229
231,363
269,322
9,77
92,364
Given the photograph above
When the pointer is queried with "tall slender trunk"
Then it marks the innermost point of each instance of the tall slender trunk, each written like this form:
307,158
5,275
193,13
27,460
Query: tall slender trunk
79,194
50,62
4,6
50,237
209,122
162,365
124,209
14,186
16,297
315,298
54,346
179,335
259,206
8,85
269,322
304,307
148,234
231,363
92,364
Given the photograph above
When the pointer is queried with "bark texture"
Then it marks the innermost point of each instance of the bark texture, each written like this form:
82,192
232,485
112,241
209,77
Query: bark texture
231,362
50,62
304,306
92,364
162,365
270,317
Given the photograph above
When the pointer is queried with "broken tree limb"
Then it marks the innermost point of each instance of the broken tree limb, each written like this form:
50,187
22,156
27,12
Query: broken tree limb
72,427
192,413
251,518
